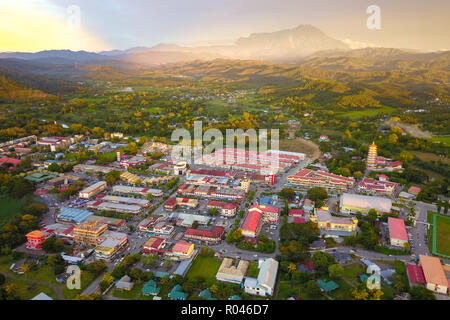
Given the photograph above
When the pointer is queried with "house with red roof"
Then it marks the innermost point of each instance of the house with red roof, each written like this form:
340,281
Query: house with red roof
183,250
269,213
374,186
35,239
12,161
252,224
214,234
397,232
414,190
415,273
226,209
154,245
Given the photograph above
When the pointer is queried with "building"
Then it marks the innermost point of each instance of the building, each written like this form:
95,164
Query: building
113,223
146,224
112,206
252,224
172,203
35,239
269,213
89,232
144,203
177,293
226,209
136,190
154,245
93,190
310,179
374,186
124,284
161,229
111,246
265,283
183,250
180,168
414,190
130,178
232,272
187,219
354,203
150,288
91,168
436,280
397,232
334,226
38,177
371,162
415,274
55,143
68,214
214,234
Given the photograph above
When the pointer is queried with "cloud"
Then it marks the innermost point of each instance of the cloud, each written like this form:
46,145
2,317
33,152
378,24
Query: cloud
35,27
359,44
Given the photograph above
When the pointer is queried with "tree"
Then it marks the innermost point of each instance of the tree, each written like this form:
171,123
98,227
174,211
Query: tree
421,293
287,193
360,294
405,156
2,279
53,245
11,289
322,260
335,271
312,289
392,138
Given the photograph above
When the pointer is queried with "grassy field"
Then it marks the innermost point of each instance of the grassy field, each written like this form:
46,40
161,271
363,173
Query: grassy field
253,270
359,114
444,140
204,267
427,156
299,145
10,208
27,290
443,234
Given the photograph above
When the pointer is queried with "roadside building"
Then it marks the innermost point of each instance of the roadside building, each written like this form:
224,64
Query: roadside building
434,274
92,168
252,224
214,234
111,246
334,226
68,214
124,200
232,272
226,209
397,232
265,283
310,179
414,190
89,232
112,206
93,190
154,245
125,284
130,177
374,186
35,239
269,213
137,190
183,250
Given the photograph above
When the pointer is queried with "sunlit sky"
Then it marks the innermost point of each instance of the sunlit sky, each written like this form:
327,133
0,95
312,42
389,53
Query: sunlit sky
34,25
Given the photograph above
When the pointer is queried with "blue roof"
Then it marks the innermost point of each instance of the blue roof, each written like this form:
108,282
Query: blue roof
266,200
74,214
183,267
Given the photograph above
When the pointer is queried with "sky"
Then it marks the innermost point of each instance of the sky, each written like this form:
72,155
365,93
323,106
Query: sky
96,25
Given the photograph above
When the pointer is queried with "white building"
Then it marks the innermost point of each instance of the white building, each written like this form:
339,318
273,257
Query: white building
265,283
92,190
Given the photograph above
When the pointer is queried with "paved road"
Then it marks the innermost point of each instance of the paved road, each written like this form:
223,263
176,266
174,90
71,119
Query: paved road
54,287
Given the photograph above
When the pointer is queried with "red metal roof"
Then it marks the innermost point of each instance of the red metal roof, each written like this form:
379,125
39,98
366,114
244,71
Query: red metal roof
415,273
397,229
252,220
296,212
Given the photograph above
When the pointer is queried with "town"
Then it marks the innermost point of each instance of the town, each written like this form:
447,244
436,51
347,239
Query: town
144,225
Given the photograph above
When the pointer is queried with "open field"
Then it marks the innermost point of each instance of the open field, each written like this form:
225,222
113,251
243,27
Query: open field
203,267
445,140
10,208
132,294
426,156
300,145
442,234
27,290
358,114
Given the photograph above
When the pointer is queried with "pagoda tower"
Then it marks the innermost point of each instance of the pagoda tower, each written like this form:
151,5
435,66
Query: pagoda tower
372,157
